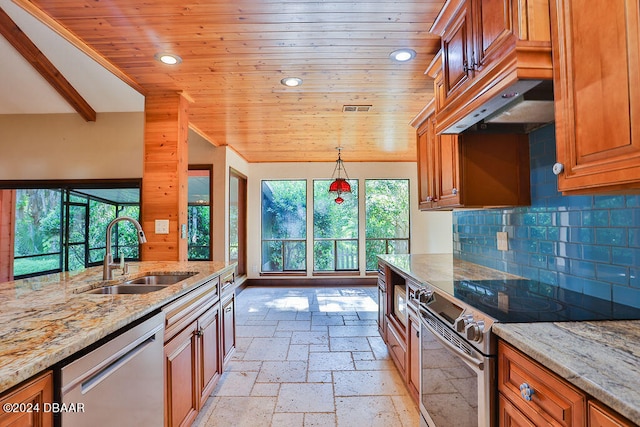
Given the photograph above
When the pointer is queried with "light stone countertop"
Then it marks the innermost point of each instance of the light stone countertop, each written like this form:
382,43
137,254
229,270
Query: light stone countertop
45,319
601,358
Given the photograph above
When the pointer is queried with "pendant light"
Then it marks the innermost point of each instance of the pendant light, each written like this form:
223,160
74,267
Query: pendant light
339,184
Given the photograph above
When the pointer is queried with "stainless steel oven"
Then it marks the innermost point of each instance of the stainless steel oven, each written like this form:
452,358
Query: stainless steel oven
458,370
457,381
458,385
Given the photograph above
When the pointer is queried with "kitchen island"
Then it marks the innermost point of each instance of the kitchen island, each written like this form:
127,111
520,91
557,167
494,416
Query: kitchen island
601,358
45,319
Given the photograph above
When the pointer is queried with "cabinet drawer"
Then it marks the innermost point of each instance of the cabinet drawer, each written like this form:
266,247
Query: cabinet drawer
553,400
397,348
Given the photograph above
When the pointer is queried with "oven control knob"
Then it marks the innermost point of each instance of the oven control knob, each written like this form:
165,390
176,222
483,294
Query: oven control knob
425,296
461,322
474,331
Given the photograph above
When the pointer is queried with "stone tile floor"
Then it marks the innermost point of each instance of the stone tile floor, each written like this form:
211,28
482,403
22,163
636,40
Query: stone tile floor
309,357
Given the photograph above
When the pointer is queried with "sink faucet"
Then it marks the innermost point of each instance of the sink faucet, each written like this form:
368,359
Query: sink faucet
108,264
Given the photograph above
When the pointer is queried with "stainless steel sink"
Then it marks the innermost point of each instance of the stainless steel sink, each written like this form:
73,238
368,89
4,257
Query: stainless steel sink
126,289
142,284
158,279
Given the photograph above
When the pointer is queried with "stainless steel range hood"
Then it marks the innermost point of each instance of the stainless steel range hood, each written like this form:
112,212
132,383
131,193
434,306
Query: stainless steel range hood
522,107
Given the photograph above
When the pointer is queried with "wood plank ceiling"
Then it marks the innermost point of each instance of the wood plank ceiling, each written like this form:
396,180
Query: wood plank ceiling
234,54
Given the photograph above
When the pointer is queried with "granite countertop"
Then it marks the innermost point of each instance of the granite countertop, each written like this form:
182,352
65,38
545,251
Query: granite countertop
601,358
45,319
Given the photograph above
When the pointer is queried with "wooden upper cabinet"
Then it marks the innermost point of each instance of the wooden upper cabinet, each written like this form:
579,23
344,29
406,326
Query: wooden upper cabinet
487,46
457,51
426,162
597,94
471,169
495,25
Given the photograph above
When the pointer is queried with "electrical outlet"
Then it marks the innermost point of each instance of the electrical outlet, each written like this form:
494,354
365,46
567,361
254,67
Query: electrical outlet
162,226
503,240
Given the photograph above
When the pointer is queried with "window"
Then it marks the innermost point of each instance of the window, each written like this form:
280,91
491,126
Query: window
38,232
199,213
387,218
284,226
335,229
64,229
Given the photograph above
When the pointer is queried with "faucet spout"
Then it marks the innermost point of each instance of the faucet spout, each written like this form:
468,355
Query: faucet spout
108,264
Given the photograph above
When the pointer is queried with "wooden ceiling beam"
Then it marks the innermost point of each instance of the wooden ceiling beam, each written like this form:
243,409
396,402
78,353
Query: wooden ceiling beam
47,70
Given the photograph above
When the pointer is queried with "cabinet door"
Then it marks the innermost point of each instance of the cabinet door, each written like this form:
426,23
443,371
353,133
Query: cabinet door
228,327
493,27
601,416
597,93
209,355
426,162
457,52
34,392
447,170
510,416
181,406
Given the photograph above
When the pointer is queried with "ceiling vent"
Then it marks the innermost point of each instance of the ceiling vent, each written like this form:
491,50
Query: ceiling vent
356,108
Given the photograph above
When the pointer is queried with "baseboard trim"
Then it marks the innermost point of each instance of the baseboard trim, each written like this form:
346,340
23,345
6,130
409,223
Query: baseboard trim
312,281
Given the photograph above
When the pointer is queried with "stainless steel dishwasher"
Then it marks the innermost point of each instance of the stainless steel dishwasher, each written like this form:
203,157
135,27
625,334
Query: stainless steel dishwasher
120,383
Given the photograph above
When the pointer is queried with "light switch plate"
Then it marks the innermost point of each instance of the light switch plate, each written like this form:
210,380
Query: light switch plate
162,226
503,240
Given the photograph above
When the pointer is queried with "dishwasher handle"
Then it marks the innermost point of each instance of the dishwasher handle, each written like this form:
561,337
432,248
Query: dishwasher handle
116,364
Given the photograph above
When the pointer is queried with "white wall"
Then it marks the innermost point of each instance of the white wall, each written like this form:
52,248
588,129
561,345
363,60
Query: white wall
64,146
222,158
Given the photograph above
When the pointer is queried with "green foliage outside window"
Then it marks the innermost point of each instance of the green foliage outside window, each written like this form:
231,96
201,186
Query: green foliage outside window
284,225
41,221
387,218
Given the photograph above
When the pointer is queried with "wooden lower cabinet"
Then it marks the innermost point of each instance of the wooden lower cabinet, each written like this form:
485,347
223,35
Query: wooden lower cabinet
33,393
228,327
208,339
192,368
602,416
553,401
182,398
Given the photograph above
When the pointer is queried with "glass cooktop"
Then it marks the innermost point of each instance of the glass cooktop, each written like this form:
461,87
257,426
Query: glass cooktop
522,300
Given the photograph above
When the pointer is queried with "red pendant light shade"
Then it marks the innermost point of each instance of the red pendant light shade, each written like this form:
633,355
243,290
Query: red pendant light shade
339,185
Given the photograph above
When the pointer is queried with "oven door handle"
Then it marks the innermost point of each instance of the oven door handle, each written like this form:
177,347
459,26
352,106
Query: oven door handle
472,362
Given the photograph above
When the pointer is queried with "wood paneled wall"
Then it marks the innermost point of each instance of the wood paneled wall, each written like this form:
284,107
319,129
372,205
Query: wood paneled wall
7,231
165,176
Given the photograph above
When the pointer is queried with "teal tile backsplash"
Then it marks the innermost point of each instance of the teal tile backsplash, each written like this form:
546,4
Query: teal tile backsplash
589,244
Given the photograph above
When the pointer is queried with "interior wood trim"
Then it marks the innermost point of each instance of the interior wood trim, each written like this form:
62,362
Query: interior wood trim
71,183
30,52
316,281
77,42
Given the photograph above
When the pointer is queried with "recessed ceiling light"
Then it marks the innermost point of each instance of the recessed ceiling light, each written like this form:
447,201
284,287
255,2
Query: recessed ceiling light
168,58
291,81
402,55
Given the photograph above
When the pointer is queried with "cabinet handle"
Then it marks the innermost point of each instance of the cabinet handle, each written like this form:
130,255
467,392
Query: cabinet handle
200,332
227,310
526,391
558,168
454,191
